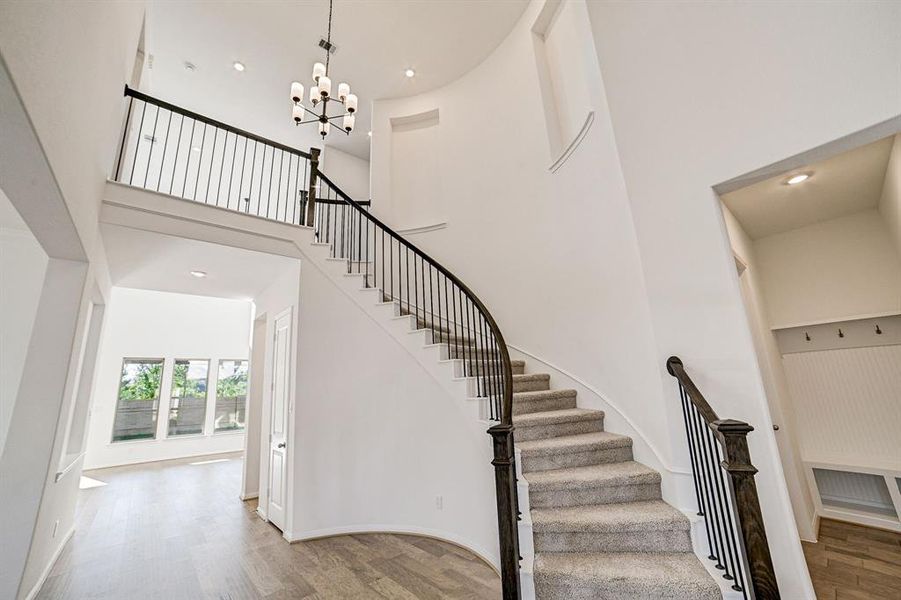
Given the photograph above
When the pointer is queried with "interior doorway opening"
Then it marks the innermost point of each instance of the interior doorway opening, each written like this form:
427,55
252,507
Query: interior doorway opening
817,246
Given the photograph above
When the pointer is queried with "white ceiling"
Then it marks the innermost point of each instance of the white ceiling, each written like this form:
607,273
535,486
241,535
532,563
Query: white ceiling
842,185
278,42
153,261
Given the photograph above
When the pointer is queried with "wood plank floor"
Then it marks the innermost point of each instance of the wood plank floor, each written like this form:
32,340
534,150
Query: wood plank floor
854,562
173,530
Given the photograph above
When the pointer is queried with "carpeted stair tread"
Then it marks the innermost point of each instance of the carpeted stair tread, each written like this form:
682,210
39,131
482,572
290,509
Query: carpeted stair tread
609,474
649,575
574,443
551,417
610,518
543,395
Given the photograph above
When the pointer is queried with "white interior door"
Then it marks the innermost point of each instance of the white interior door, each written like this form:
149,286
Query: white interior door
278,431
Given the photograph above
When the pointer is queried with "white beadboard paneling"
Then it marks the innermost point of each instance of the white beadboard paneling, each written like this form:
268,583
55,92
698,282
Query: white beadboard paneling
848,404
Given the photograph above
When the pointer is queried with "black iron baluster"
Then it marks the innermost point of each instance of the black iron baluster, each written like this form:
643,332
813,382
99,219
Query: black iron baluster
231,175
716,472
126,130
165,147
177,148
735,555
692,452
156,119
711,508
134,160
222,169
199,162
209,175
269,183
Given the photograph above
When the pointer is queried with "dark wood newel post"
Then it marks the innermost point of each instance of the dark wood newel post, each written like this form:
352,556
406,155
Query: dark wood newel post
505,481
737,462
314,184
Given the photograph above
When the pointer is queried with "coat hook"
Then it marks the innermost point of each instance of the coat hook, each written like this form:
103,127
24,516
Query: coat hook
878,331
806,336
840,333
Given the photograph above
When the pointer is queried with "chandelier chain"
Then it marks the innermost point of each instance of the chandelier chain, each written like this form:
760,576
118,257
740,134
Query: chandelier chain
328,51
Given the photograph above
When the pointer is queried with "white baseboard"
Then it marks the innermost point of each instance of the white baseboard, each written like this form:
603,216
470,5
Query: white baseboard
40,582
401,529
245,497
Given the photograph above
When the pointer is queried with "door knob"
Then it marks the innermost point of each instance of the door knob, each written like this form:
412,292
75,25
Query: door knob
281,445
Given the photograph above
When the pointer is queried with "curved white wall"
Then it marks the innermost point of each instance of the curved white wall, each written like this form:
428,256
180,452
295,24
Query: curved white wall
621,258
553,255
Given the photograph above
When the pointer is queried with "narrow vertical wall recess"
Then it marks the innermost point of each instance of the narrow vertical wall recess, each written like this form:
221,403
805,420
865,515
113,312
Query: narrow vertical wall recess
565,62
416,194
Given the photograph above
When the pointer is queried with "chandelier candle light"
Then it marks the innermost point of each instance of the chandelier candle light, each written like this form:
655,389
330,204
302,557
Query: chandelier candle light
321,94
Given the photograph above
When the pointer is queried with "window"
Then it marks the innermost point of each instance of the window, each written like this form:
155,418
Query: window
139,397
187,404
231,395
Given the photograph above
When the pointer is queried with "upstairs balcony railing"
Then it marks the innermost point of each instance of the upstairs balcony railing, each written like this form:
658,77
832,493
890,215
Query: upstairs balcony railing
167,149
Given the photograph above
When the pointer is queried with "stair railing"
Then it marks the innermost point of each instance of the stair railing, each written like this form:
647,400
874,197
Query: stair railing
736,536
171,150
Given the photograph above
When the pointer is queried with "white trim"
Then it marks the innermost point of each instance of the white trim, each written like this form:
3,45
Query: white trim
612,405
861,317
46,572
399,529
573,144
67,468
891,476
239,451
246,497
422,228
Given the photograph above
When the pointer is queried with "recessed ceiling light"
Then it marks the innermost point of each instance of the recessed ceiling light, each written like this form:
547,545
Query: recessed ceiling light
190,67
238,65
195,149
796,179
409,72
198,274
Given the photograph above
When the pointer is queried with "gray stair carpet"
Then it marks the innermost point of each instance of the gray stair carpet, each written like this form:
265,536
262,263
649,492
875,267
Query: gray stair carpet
600,528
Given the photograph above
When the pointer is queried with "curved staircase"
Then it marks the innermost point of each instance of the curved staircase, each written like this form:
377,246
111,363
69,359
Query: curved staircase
600,527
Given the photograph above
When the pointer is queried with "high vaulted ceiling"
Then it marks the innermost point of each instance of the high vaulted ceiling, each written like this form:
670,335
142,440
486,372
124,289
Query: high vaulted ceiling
842,185
278,42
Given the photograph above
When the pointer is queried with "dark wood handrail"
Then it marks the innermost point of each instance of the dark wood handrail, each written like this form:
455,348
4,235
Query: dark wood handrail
732,435
224,126
502,433
495,380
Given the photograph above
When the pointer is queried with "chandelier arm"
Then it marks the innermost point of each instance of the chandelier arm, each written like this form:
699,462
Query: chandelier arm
308,122
337,116
310,111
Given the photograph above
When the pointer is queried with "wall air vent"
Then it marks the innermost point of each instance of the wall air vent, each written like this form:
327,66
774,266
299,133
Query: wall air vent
330,47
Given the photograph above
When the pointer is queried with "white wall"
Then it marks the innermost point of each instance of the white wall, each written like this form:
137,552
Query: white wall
553,256
347,171
376,437
22,266
700,94
830,271
86,50
146,324
890,201
774,379
282,294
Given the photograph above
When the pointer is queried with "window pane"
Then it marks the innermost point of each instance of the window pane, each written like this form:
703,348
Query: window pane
139,398
231,395
187,404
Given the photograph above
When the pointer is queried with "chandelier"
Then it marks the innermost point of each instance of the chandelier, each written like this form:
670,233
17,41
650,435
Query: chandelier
321,95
